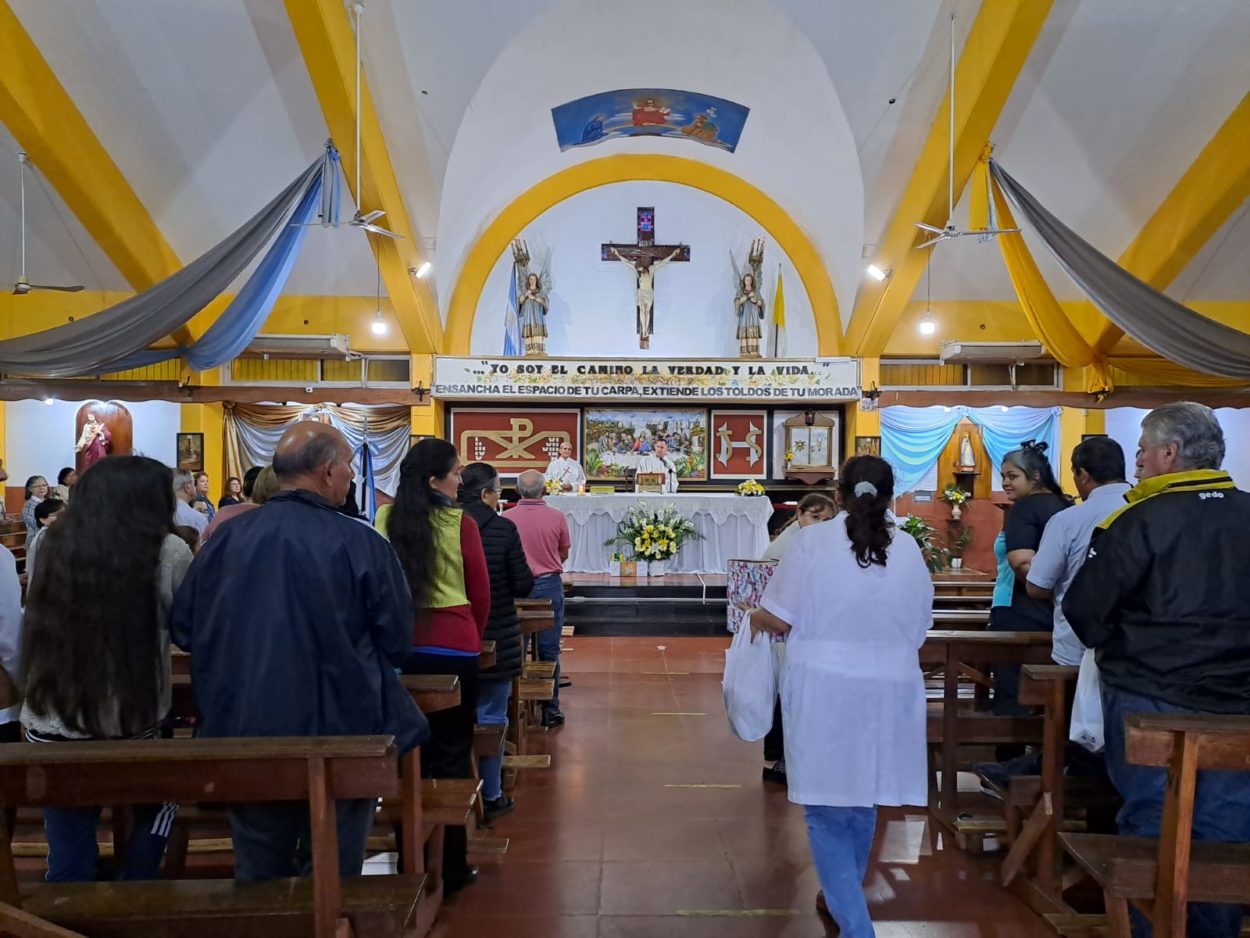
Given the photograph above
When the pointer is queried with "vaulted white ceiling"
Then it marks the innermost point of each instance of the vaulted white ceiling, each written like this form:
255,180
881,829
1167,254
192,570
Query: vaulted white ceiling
207,108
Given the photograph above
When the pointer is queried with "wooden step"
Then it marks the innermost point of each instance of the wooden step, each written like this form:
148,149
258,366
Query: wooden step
537,761
488,740
536,688
376,905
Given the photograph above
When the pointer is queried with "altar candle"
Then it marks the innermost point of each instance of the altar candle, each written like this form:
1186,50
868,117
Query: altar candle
581,489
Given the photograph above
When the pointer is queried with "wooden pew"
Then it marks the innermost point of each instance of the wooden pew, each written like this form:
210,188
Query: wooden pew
962,656
187,771
1160,877
961,601
961,619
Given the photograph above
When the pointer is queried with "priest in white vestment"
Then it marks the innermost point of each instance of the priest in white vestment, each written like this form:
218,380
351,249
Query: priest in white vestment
660,461
566,470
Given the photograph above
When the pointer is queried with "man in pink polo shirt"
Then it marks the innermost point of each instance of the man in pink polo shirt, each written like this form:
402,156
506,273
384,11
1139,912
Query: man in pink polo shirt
545,537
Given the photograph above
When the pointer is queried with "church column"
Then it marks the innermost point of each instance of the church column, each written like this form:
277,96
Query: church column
1074,423
209,419
861,422
427,417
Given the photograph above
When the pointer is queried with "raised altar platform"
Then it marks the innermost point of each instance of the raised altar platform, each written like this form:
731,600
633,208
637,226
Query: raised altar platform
673,605
733,527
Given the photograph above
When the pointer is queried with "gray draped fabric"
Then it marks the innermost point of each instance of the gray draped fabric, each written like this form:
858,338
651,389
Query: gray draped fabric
1161,324
90,345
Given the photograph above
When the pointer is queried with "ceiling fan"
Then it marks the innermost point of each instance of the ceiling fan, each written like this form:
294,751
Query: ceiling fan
362,220
23,285
951,231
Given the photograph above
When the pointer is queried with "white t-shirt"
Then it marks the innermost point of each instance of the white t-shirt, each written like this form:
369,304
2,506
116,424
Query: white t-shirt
186,515
566,472
1065,542
653,463
852,692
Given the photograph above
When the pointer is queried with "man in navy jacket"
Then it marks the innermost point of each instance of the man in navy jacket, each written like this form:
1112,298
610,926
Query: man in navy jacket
296,617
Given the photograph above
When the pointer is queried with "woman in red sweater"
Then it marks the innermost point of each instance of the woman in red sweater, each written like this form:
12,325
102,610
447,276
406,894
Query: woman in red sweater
440,549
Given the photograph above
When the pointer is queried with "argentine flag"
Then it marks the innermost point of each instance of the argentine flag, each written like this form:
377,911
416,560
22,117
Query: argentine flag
511,320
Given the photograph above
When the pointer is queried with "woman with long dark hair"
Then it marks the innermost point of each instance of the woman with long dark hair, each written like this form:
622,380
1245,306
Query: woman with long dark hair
234,493
510,578
95,648
440,549
855,602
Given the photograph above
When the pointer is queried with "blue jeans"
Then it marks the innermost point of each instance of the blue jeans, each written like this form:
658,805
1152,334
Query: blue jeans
841,839
273,840
1221,807
551,586
73,849
492,710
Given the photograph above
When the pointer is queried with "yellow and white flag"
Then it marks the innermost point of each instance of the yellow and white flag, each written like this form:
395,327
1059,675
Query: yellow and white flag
779,319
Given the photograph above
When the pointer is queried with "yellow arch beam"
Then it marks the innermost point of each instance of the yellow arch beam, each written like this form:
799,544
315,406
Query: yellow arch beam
1213,187
630,168
997,47
323,29
43,119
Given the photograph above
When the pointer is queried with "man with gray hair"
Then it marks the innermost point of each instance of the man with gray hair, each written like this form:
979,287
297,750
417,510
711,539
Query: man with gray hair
296,618
184,492
545,537
1164,598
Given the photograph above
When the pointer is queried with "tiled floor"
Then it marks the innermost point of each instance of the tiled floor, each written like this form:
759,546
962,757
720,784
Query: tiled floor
653,821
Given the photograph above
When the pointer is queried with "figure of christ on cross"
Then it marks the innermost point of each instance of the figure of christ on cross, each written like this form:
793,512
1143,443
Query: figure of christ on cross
644,258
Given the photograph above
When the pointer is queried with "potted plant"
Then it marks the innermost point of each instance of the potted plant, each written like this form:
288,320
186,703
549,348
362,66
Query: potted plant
958,545
655,535
956,497
925,535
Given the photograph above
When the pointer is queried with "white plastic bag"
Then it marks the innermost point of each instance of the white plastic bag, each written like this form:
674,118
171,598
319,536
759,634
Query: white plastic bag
750,684
1087,724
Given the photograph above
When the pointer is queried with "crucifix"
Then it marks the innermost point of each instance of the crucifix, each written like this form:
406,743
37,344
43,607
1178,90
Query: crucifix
644,258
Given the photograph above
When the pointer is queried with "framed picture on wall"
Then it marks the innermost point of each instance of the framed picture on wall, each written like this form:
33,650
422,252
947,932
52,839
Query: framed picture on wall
617,438
738,444
513,439
189,448
867,446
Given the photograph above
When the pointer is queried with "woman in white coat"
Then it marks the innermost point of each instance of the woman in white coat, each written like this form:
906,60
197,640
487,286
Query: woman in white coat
855,603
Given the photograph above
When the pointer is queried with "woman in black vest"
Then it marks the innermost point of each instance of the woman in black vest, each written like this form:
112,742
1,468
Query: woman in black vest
510,577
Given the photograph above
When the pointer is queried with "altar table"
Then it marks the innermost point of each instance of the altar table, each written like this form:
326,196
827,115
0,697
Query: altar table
733,527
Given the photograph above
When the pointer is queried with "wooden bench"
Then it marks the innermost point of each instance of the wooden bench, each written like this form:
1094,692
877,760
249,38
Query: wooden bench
317,770
962,600
962,656
486,659
961,619
1160,877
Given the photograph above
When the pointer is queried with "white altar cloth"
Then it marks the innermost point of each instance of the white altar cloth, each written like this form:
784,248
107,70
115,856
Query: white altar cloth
733,528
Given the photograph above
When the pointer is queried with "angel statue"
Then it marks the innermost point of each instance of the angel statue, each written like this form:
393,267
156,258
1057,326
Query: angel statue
748,303
533,291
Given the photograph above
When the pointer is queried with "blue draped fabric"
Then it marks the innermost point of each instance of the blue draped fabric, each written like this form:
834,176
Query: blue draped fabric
912,438
239,322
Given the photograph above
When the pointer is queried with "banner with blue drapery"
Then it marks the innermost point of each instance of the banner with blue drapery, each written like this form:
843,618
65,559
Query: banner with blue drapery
118,338
912,438
366,484
252,432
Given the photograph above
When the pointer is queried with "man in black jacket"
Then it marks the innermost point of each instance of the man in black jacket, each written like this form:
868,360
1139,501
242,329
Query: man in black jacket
1164,597
510,577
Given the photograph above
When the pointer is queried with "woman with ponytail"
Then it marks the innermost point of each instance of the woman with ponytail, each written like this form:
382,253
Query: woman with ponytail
855,603
440,549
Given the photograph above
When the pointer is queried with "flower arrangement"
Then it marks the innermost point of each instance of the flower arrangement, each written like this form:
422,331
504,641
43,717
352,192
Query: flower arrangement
552,486
925,535
954,496
789,456
750,488
654,533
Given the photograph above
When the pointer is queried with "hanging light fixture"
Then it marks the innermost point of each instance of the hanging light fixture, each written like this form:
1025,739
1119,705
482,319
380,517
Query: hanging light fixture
424,270
927,326
877,273
379,325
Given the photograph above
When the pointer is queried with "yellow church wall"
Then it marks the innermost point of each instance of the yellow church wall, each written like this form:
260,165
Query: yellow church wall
208,419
